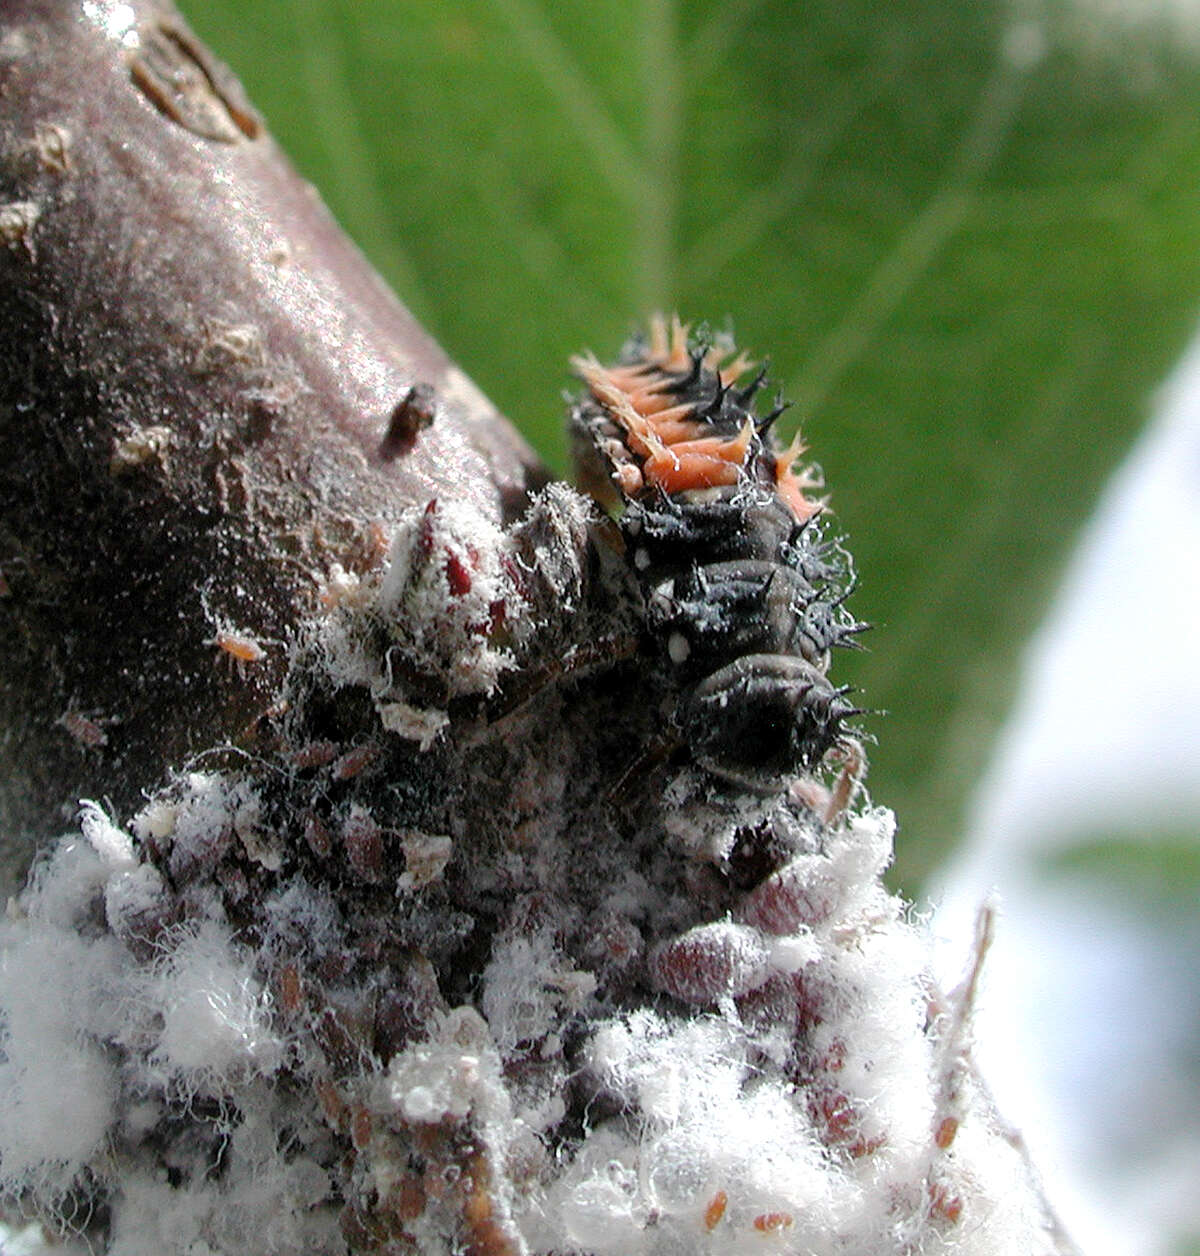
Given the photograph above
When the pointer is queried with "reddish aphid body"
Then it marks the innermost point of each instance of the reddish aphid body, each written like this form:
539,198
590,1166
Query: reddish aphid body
770,1222
239,646
946,1130
710,961
715,1210
87,732
744,595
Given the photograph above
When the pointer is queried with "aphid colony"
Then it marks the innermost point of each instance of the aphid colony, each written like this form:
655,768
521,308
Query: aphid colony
744,596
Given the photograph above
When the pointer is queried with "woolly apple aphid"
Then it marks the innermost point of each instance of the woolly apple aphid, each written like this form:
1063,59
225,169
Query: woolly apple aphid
240,647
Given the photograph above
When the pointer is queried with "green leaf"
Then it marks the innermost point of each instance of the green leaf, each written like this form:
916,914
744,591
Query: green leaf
1154,873
970,245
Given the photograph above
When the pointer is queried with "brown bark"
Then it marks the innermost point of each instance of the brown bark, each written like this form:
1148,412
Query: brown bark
202,388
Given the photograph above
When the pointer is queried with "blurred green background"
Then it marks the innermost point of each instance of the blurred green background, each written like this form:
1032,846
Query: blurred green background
966,234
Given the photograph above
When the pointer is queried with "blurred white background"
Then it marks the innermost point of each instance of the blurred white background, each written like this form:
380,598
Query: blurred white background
1089,1029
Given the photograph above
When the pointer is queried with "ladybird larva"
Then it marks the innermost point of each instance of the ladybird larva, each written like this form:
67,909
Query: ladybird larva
744,594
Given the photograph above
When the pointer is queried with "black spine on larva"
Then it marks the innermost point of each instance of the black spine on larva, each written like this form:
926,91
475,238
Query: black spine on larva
744,593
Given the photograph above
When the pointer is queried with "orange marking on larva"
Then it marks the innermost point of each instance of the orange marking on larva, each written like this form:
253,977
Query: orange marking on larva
792,484
629,479
641,439
726,448
668,347
644,414
769,1222
699,463
616,401
736,369
651,401
679,431
674,428
236,645
715,356
715,1210
640,435
678,472
791,489
588,368
947,1128
659,345
679,359
639,375
786,459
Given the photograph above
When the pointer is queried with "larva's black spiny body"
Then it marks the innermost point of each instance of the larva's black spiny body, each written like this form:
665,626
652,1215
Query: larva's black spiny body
743,593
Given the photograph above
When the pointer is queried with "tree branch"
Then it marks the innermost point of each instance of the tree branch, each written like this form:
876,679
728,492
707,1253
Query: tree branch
197,373
434,905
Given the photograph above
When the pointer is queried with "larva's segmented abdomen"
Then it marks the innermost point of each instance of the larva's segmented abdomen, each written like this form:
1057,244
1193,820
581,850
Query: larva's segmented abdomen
743,592
667,532
761,719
